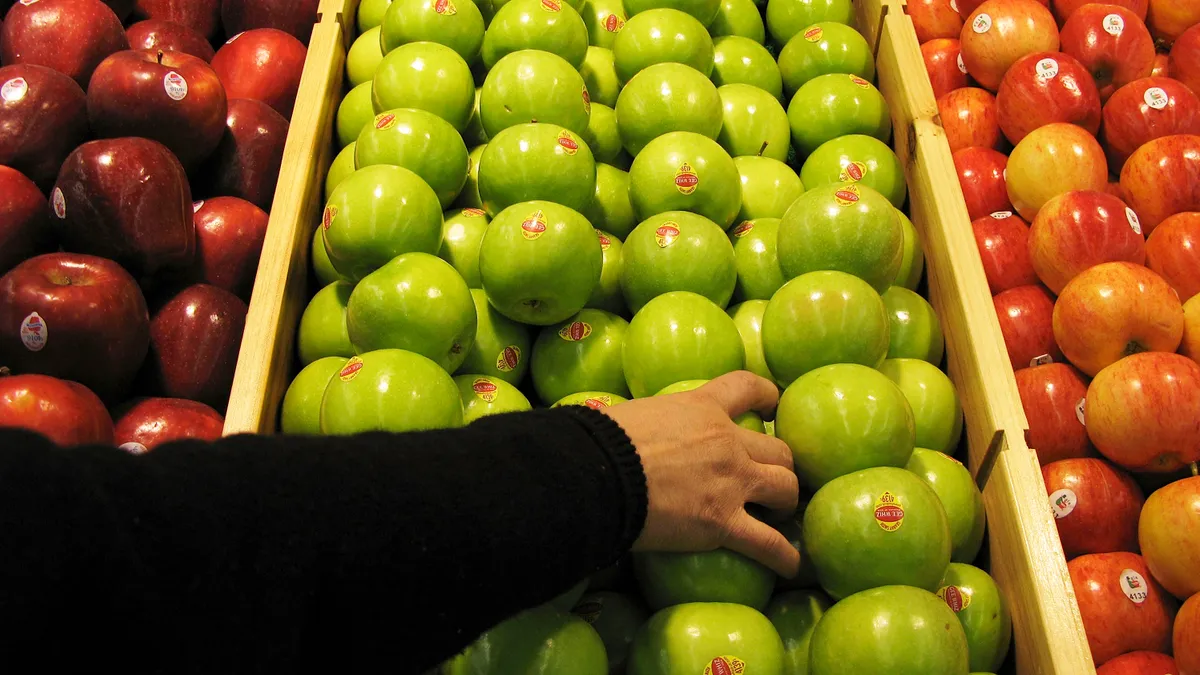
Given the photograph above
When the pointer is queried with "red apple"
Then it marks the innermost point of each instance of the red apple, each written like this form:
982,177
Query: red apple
202,16
999,32
263,64
1095,505
1063,9
1144,110
934,19
74,316
147,423
1043,88
1025,314
168,36
1168,19
194,343
1184,60
1162,66
1173,250
1003,242
126,199
70,36
66,412
1143,412
969,117
170,97
1190,346
1050,395
1162,178
1114,188
24,230
1051,160
1169,532
943,64
981,177
1139,663
1187,637
1111,42
293,16
1123,607
1080,229
229,240
43,117
966,7
246,162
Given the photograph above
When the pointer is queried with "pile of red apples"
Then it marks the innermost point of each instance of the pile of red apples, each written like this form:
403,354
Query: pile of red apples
140,144
1075,129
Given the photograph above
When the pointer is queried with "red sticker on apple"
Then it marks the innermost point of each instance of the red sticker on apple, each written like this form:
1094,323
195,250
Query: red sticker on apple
508,359
575,331
1062,502
384,121
860,82
534,226
1134,586
686,180
485,389
813,33
889,513
597,402
552,5
175,86
852,172
14,90
847,195
613,23
34,332
666,234
474,212
955,598
587,100
328,215
350,370
725,665
568,142
445,7
743,228
605,242
59,203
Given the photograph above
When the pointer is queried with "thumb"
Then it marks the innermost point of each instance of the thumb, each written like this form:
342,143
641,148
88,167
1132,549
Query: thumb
741,392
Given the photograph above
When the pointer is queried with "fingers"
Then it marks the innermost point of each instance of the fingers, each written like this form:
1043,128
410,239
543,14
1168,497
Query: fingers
755,539
775,488
765,449
742,391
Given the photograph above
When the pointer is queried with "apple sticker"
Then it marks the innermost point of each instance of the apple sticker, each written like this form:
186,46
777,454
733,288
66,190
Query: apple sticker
1156,98
666,234
1134,222
1063,502
889,513
59,202
955,598
34,332
725,665
134,448
14,90
1046,69
485,389
1113,24
1133,585
982,23
1079,411
175,86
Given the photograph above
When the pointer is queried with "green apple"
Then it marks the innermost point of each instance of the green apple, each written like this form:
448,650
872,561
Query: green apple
858,159
416,302
660,36
844,418
833,105
484,395
543,641
754,123
685,171
376,214
758,275
679,336
912,265
898,630
703,10
823,48
607,295
707,637
363,58
748,420
539,262
528,162
549,25
533,86
845,227
720,575
604,19
769,187
677,251
915,331
602,135
617,618
610,209
667,97
390,390
322,330
322,268
599,73
822,318
566,601
747,316
741,60
876,527
795,615
418,141
354,113
370,14
462,232
582,353
426,76
468,197
474,134
785,18
457,24
960,496
592,399
502,346
974,597
342,166
301,412
934,402
739,18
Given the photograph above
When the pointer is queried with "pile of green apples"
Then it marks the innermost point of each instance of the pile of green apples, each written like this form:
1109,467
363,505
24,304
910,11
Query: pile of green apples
578,202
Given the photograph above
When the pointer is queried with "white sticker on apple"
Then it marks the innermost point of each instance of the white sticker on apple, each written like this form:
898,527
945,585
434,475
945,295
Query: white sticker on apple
1156,98
14,90
196,206
1046,69
1001,215
982,23
954,5
1040,360
1134,222
1133,585
134,448
34,332
1063,502
175,85
962,66
28,2
1113,24
1079,411
59,202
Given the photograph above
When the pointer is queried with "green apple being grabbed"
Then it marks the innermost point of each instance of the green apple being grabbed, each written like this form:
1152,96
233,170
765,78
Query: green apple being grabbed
607,295
720,575
960,496
462,232
301,411
660,36
823,48
974,597
390,390
747,316
322,330
785,18
457,24
758,275
685,171
707,637
610,209
748,420
427,76
354,113
540,262
603,136
582,353
795,615
934,402
829,106
915,330
418,141
739,18
533,86
677,251
679,336
528,162
769,187
484,395
604,19
862,160
549,25
753,123
599,73
667,97
592,399
502,346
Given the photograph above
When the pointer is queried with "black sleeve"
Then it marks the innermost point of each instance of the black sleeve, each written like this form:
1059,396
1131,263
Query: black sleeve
291,554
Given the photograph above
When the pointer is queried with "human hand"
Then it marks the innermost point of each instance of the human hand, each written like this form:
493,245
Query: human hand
702,469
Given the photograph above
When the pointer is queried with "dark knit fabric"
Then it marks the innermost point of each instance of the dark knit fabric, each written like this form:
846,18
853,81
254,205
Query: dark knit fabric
375,553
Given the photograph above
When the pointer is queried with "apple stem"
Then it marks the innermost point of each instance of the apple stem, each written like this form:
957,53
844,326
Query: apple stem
160,57
762,149
1196,468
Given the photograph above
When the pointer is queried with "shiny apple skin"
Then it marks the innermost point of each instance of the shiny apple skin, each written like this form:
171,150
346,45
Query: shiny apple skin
1049,394
1173,250
1025,315
247,160
1003,242
968,116
70,36
934,19
1063,9
1130,121
1113,60
1106,504
1114,623
66,412
263,64
1016,28
1078,230
291,16
942,57
24,227
1162,178
1051,160
39,129
1028,100
168,35
981,176
147,423
201,16
1183,62
194,343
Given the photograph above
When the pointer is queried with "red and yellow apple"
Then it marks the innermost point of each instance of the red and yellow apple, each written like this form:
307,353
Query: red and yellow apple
1050,394
999,32
1080,229
1025,315
1095,506
1173,250
943,63
981,177
1144,110
1169,533
1003,241
1162,178
1043,88
1123,607
1186,641
968,116
1051,160
1111,42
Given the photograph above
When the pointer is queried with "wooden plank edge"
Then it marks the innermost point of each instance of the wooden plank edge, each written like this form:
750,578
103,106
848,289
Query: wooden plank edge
343,13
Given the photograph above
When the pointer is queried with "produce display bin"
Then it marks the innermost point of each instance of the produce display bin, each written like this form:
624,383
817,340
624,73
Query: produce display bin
1026,557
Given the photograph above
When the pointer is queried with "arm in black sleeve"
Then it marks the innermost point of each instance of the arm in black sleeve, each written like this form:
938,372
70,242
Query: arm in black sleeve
289,554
